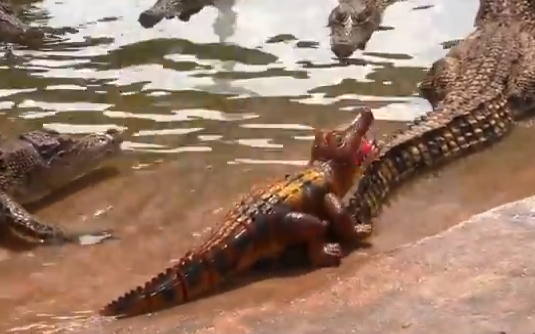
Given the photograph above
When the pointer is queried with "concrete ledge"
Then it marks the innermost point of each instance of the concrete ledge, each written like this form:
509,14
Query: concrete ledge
477,277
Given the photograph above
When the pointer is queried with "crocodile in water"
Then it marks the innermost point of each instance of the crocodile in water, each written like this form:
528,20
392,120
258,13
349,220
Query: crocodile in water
182,9
13,30
301,208
352,24
38,163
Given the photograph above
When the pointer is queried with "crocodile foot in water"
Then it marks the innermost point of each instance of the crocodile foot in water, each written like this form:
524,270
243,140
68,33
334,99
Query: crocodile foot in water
303,208
36,164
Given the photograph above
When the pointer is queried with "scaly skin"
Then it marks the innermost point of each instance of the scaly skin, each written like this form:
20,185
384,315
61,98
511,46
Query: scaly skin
477,91
13,30
352,24
36,164
304,208
182,9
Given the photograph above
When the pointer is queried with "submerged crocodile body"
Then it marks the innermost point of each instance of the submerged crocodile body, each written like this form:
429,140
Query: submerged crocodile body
304,208
352,24
13,30
36,164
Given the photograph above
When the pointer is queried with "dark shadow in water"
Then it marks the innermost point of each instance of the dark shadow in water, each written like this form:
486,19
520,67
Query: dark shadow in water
153,52
385,81
272,72
281,38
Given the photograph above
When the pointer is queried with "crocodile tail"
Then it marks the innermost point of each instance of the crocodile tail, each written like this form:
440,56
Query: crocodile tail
191,277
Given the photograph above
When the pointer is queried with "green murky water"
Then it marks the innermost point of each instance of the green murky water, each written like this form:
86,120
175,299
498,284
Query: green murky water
204,87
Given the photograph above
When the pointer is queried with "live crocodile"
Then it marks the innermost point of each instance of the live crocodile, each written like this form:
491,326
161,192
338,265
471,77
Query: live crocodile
181,9
40,162
352,24
478,91
303,208
13,30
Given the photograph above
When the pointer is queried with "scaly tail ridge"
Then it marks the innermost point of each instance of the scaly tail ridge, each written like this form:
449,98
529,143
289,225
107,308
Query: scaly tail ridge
161,291
192,277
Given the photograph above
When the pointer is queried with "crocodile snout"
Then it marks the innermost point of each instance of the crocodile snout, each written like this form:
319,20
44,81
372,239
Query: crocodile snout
342,50
149,19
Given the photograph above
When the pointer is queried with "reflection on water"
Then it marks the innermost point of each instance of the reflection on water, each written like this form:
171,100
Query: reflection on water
241,85
197,75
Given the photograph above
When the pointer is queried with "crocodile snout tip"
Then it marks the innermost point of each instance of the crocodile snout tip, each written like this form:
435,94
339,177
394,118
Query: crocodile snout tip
342,50
114,135
148,19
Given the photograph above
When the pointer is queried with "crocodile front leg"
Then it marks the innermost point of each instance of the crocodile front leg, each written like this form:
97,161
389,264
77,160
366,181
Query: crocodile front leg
14,218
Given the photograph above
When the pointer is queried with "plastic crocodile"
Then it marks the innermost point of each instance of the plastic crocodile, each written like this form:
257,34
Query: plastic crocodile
304,208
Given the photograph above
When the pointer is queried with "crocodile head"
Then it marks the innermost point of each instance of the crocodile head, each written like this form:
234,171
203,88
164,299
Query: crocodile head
183,9
352,24
346,145
13,30
40,162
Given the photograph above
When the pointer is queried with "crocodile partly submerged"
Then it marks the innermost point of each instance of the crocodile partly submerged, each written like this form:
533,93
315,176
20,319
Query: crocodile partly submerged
37,163
352,24
304,208
13,30
169,9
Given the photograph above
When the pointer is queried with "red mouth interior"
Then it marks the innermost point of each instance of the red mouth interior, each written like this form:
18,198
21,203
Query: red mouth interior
365,149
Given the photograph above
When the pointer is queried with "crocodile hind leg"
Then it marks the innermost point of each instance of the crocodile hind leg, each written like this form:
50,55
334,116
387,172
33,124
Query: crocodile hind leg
14,218
438,80
443,74
342,223
307,228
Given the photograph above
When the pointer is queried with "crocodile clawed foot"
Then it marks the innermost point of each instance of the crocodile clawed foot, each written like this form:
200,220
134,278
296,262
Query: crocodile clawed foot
325,254
363,231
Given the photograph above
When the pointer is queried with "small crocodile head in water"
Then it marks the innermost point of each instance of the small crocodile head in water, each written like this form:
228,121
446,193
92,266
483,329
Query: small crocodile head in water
352,24
183,9
40,162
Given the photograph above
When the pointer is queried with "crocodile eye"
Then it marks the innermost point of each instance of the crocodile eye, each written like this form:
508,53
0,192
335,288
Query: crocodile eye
341,16
338,139
361,17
